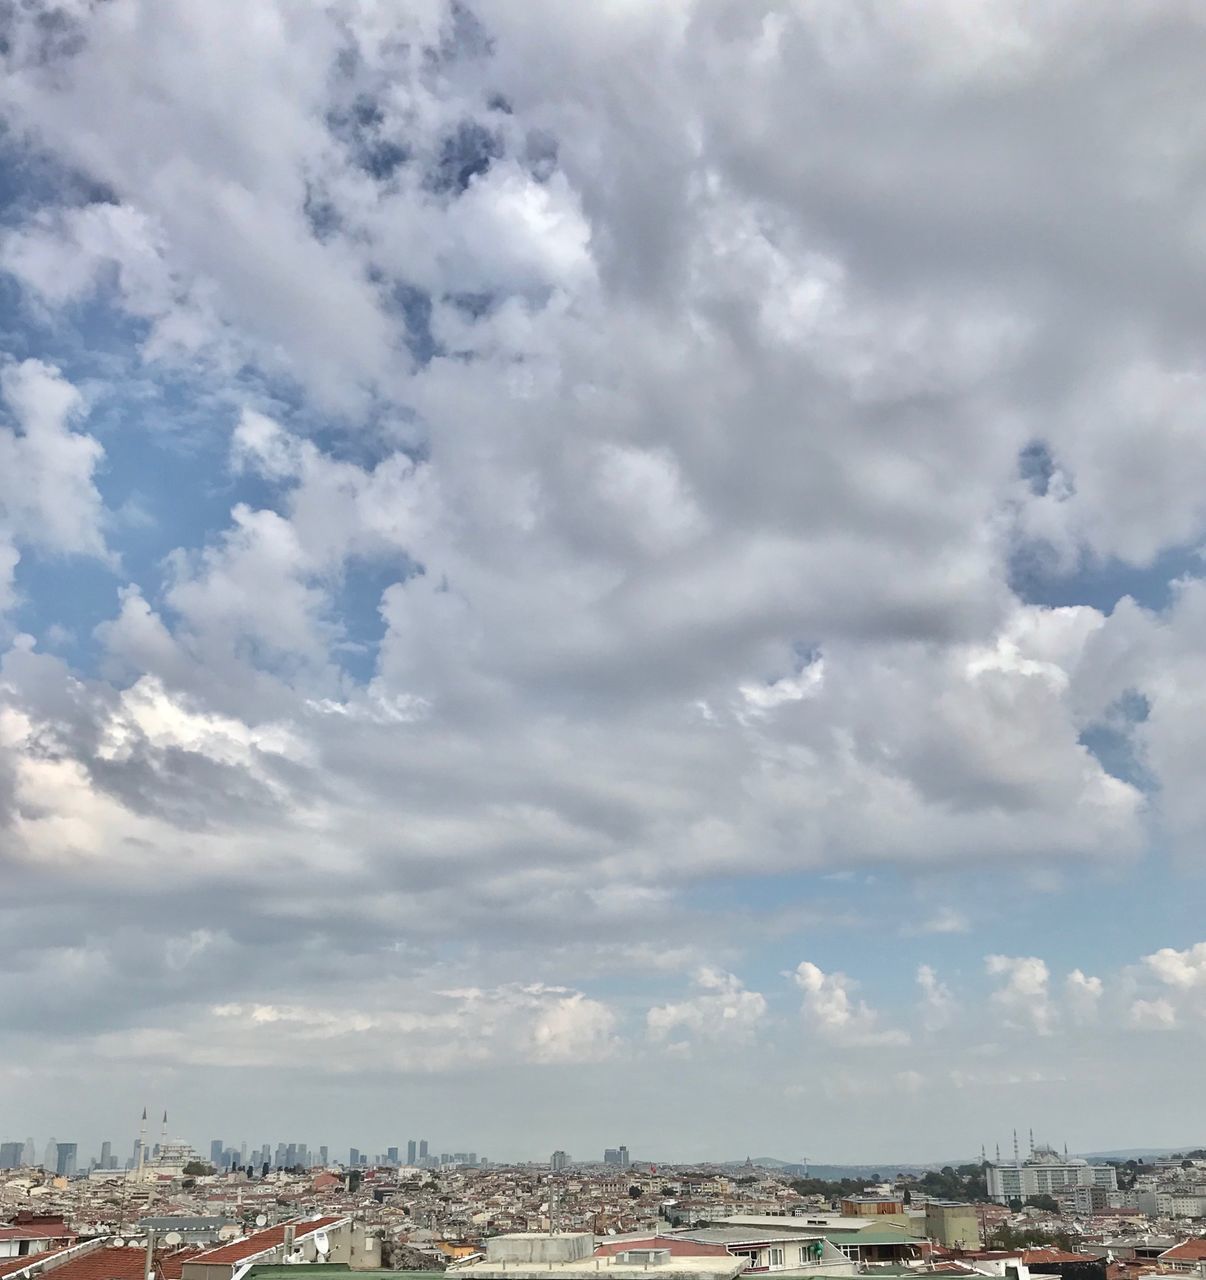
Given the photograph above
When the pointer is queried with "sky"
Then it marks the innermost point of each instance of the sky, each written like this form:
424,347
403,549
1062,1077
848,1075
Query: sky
591,573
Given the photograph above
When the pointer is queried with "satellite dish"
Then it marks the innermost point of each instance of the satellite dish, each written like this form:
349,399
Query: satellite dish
173,1237
261,1219
322,1242
228,1232
119,1243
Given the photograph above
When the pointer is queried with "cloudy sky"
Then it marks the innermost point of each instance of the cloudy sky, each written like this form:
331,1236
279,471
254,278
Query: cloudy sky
580,573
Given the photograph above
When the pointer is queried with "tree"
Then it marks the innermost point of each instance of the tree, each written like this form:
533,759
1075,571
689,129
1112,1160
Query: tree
635,1192
908,1196
1043,1202
198,1169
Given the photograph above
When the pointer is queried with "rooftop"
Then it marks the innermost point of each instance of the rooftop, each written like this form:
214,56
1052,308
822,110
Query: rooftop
605,1268
1186,1251
263,1241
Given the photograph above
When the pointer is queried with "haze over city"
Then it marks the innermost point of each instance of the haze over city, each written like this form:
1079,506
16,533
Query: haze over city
578,574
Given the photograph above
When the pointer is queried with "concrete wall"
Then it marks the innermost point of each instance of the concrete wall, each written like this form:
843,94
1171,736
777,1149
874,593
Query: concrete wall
956,1228
526,1247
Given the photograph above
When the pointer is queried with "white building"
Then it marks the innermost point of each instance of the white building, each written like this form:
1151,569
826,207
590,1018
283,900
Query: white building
1045,1173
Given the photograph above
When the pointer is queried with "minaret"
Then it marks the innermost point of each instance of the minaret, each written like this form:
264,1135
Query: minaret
1032,1142
142,1144
1016,1158
163,1136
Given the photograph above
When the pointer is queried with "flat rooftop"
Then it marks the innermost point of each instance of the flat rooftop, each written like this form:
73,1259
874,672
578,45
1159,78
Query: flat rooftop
747,1235
604,1269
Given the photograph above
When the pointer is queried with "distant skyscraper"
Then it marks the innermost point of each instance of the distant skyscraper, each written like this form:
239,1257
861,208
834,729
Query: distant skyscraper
50,1158
410,1152
391,1156
558,1160
291,1155
473,1157
215,1152
611,1155
422,1148
279,1160
106,1156
10,1154
624,1161
323,1157
65,1154
28,1154
303,1155
354,1157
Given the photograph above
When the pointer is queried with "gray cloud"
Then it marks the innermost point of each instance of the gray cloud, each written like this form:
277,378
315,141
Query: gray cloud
687,380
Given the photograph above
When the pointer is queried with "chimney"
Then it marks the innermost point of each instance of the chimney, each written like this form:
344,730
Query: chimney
290,1231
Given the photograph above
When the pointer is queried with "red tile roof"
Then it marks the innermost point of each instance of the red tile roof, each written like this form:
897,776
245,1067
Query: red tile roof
107,1263
1186,1251
171,1265
37,1231
261,1241
9,1265
1032,1256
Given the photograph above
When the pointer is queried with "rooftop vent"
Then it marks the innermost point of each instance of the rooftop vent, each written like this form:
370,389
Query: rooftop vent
643,1257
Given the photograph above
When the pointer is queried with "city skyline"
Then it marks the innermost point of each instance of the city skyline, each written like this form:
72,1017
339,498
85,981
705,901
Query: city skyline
1004,1150
569,568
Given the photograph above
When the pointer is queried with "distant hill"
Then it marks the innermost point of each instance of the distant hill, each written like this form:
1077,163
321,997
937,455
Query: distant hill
1146,1153
880,1172
835,1172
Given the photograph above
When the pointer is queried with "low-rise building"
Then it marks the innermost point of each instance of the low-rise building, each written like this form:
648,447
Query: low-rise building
950,1223
322,1239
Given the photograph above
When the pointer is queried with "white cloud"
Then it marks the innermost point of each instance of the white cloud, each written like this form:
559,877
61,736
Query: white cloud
944,920
938,1005
48,494
1083,996
517,518
1153,1015
832,1009
1184,970
465,1027
1024,996
723,1010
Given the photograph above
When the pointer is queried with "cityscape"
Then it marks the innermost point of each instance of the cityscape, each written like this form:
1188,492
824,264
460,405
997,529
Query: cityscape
171,1213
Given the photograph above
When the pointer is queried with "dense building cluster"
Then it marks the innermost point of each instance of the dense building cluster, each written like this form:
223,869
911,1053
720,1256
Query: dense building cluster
171,1214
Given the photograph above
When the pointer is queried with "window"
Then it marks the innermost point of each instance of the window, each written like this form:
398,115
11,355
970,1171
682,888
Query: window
776,1257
